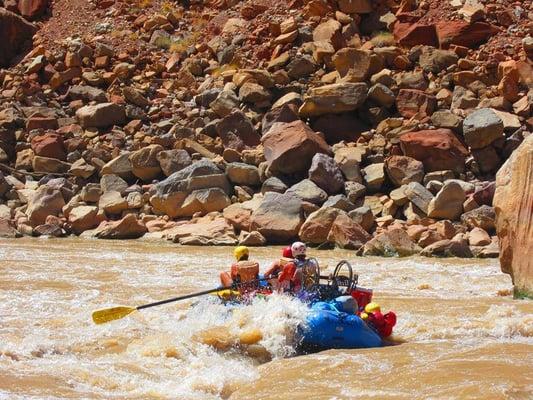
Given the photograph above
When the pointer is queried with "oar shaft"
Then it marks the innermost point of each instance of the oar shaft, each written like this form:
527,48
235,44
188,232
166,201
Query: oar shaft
188,296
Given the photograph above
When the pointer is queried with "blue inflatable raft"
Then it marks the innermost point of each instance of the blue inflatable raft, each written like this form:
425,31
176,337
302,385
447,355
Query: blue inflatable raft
328,328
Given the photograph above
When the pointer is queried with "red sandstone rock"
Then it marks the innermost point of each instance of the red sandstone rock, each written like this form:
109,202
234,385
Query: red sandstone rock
411,102
290,147
462,33
438,149
407,34
49,145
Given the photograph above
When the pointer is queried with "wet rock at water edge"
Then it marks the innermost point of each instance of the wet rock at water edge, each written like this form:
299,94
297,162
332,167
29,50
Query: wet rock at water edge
128,227
514,191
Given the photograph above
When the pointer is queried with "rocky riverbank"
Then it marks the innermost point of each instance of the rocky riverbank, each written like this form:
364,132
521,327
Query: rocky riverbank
376,126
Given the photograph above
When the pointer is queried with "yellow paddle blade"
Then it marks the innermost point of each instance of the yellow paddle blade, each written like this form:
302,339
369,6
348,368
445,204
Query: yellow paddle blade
227,294
111,314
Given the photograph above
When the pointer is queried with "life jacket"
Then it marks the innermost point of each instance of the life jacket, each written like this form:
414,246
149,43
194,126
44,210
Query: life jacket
306,272
383,324
245,271
362,296
284,261
287,273
298,273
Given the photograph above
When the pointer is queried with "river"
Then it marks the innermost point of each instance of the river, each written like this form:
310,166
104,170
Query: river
460,334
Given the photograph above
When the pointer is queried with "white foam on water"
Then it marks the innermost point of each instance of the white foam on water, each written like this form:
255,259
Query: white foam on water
505,322
154,353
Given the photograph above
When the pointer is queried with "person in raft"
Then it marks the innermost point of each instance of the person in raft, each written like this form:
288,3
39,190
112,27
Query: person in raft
381,323
298,274
244,273
272,273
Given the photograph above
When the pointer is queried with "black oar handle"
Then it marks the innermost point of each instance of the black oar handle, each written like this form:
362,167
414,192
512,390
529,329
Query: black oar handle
187,296
190,296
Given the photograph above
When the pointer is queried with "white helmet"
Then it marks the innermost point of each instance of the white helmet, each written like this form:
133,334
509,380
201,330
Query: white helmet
298,249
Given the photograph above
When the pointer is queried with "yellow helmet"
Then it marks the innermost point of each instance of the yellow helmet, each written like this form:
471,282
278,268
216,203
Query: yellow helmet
372,307
240,252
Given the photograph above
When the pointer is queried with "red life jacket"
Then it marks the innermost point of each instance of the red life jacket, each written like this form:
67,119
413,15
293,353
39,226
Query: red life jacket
383,324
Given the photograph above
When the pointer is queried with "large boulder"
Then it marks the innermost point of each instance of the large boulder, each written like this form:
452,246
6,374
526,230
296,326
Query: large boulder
15,32
120,166
243,174
279,217
49,145
402,170
172,194
410,34
339,201
210,230
101,115
325,172
83,218
374,176
438,149
394,242
111,182
364,217
335,98
514,216
482,217
86,94
448,202
284,113
316,227
128,227
353,65
289,147
482,127
172,161
50,165
455,247
82,169
239,214
204,201
349,159
329,31
44,202
144,162
307,190
237,131
347,234
411,103
435,60
273,184
112,202
419,196
463,33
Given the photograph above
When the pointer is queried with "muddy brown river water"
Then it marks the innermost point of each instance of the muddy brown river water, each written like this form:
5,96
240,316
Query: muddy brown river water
462,336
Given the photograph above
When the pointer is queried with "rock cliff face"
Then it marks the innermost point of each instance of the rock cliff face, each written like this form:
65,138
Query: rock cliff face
513,204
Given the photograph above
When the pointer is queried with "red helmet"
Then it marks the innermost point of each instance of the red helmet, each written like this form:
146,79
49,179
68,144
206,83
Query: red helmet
287,252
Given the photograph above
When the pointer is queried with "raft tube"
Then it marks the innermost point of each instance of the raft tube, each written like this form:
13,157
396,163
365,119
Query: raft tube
328,328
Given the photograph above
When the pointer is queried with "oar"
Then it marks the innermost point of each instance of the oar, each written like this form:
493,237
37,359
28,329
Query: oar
113,313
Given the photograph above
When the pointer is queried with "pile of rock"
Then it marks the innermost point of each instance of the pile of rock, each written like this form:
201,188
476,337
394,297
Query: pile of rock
387,145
